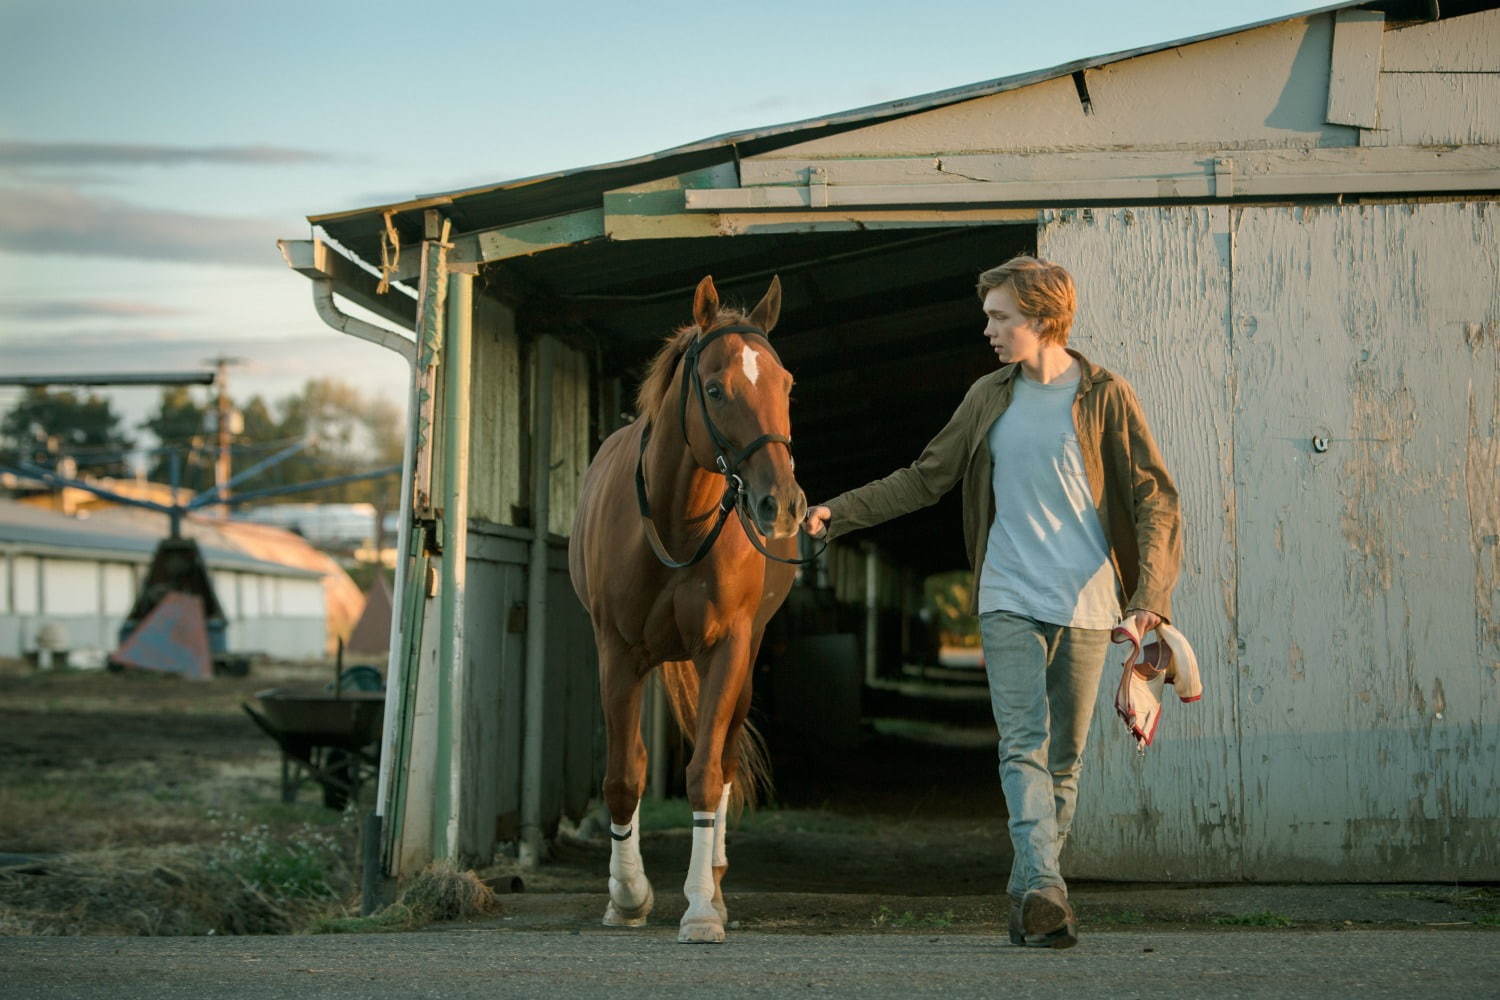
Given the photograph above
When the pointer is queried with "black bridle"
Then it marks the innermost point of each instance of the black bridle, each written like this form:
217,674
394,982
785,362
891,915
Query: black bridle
727,460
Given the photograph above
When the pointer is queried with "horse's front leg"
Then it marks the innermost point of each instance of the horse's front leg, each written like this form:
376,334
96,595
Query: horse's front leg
730,765
630,895
724,671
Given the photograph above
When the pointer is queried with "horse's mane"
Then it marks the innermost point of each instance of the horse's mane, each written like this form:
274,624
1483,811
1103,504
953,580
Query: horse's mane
652,393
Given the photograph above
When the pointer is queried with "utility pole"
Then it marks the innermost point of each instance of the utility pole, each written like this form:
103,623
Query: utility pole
223,428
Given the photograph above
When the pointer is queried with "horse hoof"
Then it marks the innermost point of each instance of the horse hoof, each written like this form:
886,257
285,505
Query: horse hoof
616,917
720,908
700,931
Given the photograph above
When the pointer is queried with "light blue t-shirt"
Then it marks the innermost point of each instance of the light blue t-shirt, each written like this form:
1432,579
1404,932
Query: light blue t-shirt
1046,557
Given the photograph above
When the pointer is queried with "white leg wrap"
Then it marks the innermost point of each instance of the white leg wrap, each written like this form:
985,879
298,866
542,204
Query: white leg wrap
628,887
699,886
721,816
702,922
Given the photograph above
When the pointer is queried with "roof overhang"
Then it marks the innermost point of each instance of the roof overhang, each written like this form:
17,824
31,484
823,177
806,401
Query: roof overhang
563,195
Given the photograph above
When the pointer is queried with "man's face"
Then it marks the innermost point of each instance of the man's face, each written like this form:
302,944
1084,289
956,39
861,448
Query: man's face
1010,333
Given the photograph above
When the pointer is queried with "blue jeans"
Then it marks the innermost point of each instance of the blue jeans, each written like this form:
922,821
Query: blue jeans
1044,680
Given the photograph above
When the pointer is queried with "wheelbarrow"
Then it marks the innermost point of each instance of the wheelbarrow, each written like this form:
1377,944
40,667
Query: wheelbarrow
326,738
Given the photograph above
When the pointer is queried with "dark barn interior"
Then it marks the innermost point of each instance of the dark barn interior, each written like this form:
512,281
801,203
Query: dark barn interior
882,330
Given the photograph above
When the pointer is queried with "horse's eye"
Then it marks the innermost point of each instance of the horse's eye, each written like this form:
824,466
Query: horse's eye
715,392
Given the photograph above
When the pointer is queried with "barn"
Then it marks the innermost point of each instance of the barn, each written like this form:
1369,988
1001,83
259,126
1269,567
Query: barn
1285,237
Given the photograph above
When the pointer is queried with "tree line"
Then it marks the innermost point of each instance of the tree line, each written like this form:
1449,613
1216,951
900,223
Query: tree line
350,433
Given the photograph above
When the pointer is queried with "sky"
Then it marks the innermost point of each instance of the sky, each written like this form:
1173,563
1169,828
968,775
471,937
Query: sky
152,151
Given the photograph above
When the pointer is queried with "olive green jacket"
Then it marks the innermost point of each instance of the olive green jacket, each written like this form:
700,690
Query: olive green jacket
1134,495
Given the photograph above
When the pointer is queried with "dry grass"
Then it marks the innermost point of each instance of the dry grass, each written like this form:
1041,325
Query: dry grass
448,894
151,805
439,892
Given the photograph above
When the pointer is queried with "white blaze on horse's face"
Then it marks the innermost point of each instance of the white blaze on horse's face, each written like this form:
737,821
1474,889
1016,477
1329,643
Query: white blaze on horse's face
750,360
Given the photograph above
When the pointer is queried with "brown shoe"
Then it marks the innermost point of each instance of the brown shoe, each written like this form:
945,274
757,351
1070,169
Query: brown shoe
1047,920
1017,928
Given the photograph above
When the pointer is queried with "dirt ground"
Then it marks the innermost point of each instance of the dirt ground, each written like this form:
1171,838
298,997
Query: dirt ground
141,804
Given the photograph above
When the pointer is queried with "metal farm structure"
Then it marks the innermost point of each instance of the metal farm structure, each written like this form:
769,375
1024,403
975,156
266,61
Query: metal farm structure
1284,235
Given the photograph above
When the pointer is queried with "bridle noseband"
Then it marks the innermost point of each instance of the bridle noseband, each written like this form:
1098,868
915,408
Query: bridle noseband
727,460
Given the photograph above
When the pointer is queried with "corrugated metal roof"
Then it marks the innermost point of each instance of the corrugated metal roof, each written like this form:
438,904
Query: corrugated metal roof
545,195
105,534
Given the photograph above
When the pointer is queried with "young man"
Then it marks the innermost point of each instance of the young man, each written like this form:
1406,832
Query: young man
1069,516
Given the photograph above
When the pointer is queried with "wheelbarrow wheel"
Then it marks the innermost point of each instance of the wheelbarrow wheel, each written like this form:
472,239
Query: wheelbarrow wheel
338,781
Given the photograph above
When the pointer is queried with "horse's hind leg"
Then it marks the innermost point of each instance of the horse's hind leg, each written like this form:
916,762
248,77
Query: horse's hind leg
630,895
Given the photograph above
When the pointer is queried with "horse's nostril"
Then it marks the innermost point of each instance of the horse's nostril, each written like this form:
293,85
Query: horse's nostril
768,509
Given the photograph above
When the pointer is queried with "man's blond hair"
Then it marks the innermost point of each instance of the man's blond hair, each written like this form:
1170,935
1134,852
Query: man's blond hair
1044,291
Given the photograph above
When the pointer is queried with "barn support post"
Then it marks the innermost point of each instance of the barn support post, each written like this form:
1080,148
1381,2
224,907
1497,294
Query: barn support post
450,762
530,850
407,843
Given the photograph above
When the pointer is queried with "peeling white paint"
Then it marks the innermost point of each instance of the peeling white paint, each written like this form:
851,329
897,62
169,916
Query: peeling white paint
1345,602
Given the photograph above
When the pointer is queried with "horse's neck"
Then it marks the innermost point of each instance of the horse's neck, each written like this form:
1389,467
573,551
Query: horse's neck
684,496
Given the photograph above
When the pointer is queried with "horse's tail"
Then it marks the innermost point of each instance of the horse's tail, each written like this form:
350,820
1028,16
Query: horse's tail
679,679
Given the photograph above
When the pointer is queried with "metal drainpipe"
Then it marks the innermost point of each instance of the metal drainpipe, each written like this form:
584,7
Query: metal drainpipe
530,850
329,312
448,768
341,321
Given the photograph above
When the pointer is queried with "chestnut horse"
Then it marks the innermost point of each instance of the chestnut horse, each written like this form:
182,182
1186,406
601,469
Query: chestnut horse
670,579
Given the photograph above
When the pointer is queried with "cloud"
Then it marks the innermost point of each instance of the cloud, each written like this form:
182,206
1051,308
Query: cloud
288,359
60,309
62,220
74,154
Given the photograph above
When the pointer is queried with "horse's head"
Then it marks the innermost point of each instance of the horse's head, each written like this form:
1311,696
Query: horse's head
739,398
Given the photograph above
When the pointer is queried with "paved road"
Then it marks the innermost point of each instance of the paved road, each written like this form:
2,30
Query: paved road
612,965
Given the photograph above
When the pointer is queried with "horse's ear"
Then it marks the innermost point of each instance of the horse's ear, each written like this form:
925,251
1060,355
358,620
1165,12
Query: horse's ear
768,311
705,303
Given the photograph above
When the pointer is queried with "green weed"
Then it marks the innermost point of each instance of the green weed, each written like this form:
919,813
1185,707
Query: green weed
1121,917
907,920
304,864
1264,918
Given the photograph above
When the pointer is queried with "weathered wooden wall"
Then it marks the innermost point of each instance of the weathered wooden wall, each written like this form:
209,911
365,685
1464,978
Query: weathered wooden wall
1154,306
492,727
1262,88
496,648
1342,602
1439,83
572,395
1370,718
495,455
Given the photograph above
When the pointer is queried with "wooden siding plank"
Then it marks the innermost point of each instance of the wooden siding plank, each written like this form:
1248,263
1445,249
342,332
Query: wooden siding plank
1249,165
1083,177
1354,70
1154,306
1369,718
1467,44
495,426
528,238
497,581
1439,109
571,448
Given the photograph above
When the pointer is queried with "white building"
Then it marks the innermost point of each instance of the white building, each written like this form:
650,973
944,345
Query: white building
82,574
